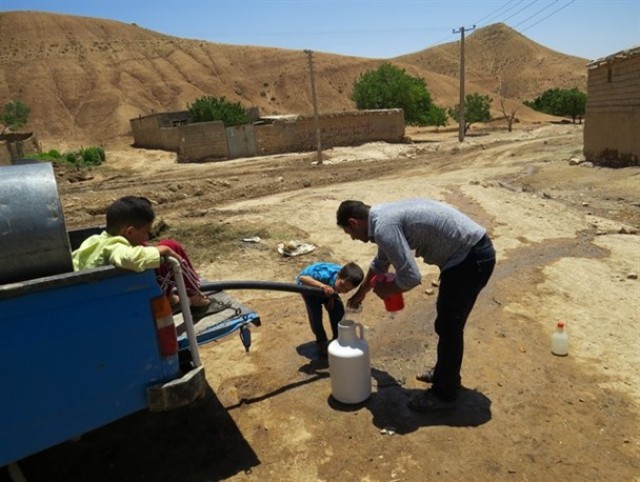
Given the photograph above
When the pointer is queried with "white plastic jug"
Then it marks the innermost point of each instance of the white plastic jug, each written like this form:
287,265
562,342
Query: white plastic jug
560,341
350,364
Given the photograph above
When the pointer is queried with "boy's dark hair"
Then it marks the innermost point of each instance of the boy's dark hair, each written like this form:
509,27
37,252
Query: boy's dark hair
351,209
352,273
129,211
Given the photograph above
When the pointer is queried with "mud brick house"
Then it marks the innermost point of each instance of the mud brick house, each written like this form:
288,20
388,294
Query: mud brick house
612,126
210,141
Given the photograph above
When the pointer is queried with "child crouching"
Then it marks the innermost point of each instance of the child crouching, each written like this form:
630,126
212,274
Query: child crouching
334,280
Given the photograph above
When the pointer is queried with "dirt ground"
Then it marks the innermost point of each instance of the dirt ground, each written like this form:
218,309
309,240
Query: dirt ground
568,249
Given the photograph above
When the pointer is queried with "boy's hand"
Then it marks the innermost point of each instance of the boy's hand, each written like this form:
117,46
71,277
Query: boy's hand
384,285
356,300
309,281
167,251
384,290
328,290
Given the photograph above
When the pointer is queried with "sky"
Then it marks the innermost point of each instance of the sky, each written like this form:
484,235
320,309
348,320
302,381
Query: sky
380,29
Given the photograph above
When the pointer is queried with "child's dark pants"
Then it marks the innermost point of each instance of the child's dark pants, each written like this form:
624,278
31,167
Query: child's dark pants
334,307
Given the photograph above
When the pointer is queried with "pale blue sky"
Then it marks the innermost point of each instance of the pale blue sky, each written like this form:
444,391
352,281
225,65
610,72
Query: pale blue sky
368,28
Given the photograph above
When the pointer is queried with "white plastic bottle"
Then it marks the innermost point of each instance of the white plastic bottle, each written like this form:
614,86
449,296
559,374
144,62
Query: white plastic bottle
560,341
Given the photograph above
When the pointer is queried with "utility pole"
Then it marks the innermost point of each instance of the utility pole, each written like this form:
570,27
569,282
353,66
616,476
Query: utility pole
315,105
461,122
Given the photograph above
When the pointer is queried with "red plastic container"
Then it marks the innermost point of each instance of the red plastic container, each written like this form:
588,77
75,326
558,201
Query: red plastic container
395,302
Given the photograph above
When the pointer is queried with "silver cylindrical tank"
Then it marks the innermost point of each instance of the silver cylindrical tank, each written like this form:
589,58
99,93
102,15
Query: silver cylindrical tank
33,238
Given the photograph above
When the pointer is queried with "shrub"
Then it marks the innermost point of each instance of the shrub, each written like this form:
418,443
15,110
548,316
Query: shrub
206,109
92,156
85,157
51,155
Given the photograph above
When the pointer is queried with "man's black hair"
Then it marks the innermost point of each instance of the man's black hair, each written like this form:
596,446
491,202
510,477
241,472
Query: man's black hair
129,211
351,209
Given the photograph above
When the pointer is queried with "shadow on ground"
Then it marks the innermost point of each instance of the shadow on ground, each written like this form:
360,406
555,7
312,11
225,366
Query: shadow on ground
389,406
195,443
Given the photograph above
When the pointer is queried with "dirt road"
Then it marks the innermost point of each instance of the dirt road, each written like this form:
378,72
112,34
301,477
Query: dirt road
568,250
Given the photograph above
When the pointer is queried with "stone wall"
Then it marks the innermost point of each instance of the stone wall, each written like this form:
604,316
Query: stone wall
17,145
613,111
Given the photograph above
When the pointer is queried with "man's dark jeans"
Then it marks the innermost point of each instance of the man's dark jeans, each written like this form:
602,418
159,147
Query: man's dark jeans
314,311
459,288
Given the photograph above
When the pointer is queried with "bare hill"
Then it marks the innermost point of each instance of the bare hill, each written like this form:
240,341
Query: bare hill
85,78
498,54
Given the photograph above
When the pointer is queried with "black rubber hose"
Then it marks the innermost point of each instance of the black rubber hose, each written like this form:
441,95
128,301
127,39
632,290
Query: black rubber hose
261,285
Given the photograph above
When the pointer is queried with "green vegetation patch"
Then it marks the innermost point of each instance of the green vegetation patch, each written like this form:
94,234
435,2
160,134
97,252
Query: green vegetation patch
85,157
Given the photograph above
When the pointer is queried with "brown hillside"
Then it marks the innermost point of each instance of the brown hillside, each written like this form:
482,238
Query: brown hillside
499,53
84,78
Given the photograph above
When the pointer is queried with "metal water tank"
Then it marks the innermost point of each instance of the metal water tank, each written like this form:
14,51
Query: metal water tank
33,238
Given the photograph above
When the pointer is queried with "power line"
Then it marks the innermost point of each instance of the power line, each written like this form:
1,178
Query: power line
325,33
537,13
520,11
550,15
507,10
492,16
478,22
482,78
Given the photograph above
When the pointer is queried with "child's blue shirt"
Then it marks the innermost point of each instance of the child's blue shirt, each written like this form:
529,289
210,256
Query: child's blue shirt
324,272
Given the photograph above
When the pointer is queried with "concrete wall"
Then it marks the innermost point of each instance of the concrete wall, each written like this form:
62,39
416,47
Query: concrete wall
273,135
17,145
612,125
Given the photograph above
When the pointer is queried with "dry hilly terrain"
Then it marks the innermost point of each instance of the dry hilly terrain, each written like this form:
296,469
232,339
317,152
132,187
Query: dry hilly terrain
84,78
566,234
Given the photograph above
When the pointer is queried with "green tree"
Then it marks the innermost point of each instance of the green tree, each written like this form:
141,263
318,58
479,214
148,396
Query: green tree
561,102
547,102
477,108
390,87
437,116
14,115
208,108
573,104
